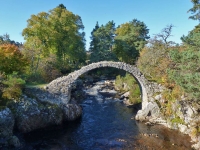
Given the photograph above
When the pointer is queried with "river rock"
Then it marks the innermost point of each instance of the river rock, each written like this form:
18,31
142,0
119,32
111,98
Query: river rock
77,92
151,109
30,114
69,111
196,145
6,128
72,112
183,128
42,95
158,97
6,123
125,95
108,92
14,141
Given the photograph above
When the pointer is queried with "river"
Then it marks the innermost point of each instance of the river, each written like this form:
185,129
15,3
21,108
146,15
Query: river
106,124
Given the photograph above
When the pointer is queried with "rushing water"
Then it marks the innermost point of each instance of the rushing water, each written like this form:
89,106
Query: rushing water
106,124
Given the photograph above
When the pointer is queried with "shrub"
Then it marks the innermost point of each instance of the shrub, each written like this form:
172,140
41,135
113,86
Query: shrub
128,83
13,88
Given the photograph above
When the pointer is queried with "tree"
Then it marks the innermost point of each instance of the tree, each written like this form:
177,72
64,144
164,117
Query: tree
102,41
186,69
131,38
56,32
154,58
165,34
195,10
68,41
5,39
33,52
11,59
94,39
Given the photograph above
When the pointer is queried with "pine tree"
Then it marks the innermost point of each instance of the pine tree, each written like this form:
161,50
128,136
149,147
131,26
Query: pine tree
186,71
195,10
102,42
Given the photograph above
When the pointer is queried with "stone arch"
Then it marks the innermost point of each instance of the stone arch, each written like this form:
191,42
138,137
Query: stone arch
62,86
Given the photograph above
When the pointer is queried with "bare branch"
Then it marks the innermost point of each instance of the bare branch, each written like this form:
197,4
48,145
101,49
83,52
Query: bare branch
166,33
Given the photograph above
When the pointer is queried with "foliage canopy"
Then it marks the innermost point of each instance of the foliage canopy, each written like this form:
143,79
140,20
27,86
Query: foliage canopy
11,59
57,32
130,39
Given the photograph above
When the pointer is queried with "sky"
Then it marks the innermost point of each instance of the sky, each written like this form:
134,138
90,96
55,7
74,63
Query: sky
156,14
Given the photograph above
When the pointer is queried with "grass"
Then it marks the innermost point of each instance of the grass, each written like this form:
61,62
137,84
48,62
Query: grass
36,85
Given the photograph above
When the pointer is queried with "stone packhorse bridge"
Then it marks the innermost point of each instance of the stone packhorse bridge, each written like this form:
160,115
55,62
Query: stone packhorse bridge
62,86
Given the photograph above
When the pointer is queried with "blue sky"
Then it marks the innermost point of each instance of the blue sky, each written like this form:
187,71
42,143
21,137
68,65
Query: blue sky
156,14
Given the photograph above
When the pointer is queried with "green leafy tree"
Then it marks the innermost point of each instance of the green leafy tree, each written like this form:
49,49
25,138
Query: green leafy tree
195,10
58,32
130,39
68,42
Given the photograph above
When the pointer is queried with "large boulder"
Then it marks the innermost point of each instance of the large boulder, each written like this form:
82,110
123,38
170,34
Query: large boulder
6,122
6,128
30,114
70,111
151,109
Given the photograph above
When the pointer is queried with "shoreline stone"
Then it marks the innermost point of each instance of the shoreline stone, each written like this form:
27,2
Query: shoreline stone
6,128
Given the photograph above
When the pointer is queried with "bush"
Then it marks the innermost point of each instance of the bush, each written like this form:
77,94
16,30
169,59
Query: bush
13,88
128,83
34,78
